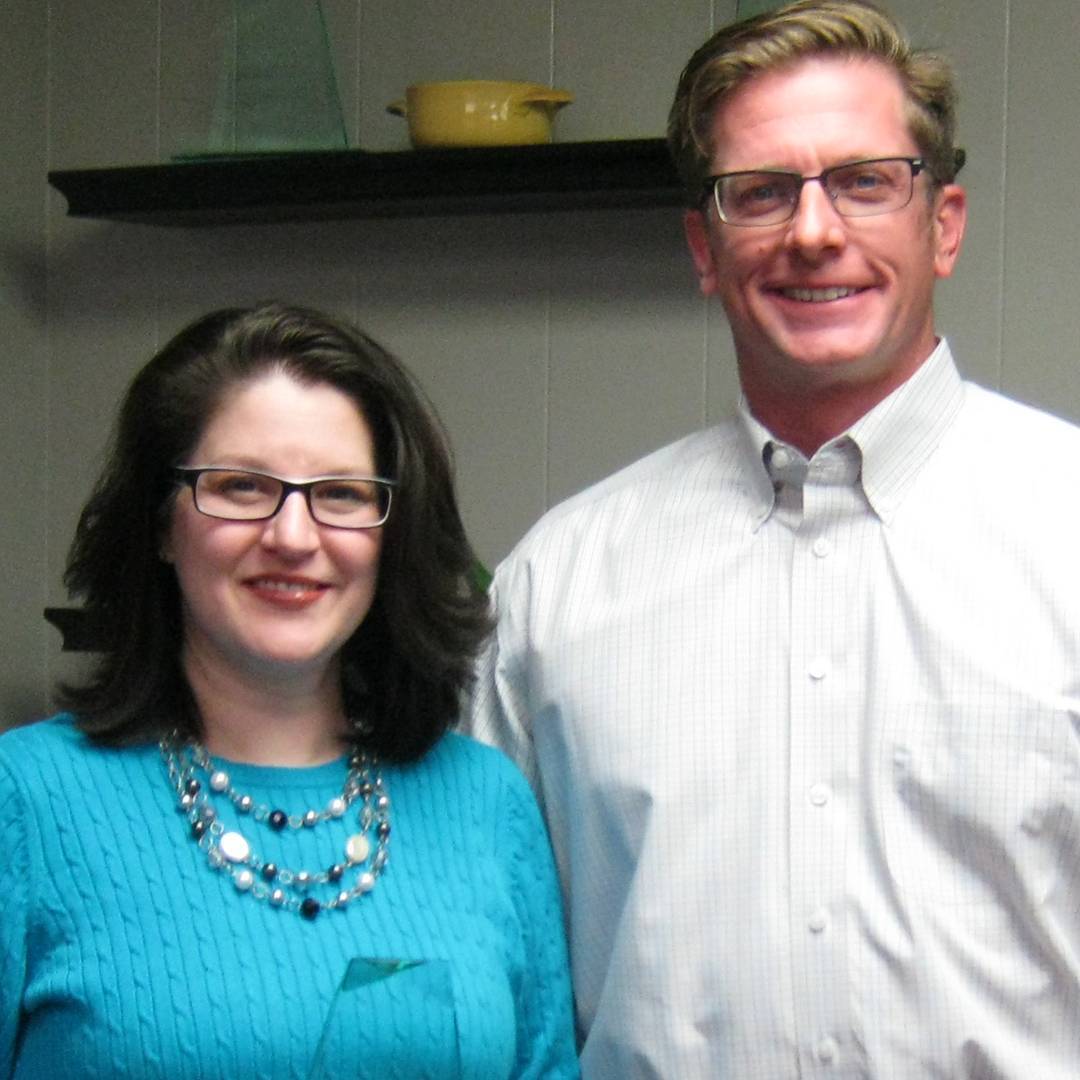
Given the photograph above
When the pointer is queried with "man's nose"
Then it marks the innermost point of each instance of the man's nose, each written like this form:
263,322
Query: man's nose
816,224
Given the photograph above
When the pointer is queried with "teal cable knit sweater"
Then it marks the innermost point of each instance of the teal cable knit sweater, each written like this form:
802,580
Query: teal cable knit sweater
123,954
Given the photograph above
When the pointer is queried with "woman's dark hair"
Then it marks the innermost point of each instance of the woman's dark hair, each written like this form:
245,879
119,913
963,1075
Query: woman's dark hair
406,667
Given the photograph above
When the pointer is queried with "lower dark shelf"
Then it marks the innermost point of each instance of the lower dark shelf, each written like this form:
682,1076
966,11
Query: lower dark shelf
357,183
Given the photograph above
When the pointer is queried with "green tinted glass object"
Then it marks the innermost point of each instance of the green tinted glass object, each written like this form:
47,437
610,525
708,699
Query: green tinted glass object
276,89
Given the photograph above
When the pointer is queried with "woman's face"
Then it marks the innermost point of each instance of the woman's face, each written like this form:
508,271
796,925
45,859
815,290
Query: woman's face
277,597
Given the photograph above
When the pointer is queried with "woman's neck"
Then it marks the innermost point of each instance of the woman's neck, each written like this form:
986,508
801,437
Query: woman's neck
296,720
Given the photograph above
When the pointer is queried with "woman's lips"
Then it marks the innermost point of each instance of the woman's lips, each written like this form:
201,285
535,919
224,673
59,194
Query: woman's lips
286,591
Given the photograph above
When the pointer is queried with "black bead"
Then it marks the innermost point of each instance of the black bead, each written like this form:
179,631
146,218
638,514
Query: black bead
335,872
198,828
310,907
269,871
278,819
383,829
192,786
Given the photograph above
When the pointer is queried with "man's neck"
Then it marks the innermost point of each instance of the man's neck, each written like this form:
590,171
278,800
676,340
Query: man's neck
808,416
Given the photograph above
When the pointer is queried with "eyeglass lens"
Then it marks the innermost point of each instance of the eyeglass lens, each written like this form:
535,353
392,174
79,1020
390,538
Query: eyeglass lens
859,189
347,502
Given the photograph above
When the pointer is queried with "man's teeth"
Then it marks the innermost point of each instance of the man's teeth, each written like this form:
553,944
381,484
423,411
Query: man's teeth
809,295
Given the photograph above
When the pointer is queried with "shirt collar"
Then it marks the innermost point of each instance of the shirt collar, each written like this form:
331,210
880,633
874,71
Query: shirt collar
894,440
755,440
900,434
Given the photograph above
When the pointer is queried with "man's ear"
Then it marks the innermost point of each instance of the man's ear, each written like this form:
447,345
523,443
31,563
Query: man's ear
950,220
696,228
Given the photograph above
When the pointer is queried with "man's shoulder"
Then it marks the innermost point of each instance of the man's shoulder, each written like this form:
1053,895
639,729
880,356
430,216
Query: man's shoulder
1010,435
712,452
1019,416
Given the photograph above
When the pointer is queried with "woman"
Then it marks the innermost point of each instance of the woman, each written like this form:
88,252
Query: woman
251,848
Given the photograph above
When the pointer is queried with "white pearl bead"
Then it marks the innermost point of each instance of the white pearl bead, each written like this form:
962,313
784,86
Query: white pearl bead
234,847
357,848
243,880
219,780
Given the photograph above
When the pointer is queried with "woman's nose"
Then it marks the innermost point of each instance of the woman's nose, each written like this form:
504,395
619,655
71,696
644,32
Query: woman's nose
292,529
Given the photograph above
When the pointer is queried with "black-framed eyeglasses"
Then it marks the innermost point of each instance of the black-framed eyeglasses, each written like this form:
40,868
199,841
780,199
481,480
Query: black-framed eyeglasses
345,502
856,188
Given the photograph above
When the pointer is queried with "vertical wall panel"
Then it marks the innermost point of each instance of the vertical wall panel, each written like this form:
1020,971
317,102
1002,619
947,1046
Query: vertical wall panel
24,479
622,59
463,302
1041,313
194,37
104,83
627,367
969,305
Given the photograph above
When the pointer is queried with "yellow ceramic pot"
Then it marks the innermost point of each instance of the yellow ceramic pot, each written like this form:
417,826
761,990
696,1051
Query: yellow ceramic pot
479,112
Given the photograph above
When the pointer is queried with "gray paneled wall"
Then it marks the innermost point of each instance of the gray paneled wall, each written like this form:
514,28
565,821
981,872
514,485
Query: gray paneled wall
557,347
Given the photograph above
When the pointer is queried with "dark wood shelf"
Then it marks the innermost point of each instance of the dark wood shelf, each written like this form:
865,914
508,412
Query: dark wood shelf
357,183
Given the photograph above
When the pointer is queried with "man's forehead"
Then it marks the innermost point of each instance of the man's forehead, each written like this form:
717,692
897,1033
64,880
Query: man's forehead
853,104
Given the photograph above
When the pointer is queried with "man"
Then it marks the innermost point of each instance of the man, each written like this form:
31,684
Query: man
801,693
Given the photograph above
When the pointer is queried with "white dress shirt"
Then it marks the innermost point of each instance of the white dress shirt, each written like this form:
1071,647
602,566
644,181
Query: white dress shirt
807,736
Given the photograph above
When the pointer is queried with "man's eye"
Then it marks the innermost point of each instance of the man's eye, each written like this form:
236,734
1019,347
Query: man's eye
764,192
758,193
866,181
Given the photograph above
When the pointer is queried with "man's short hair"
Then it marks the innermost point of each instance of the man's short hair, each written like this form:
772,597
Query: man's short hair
810,28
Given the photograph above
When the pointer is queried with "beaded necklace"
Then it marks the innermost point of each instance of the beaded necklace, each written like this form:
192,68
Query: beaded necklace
197,782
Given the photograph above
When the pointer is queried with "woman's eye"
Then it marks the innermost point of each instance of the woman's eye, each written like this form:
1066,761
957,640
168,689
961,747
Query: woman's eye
239,486
351,494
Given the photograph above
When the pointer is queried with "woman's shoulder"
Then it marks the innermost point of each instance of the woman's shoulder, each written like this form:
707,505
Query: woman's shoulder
464,755
54,735
462,768
55,751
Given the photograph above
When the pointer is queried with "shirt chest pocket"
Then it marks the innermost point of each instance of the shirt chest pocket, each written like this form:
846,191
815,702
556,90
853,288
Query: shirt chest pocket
980,803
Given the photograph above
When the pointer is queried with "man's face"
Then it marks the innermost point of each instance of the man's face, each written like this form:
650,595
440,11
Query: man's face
825,301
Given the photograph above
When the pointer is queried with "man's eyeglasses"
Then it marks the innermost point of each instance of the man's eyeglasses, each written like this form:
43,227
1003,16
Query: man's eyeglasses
345,502
856,188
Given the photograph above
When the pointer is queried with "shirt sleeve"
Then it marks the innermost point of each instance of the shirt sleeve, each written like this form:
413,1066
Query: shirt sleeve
499,713
14,888
545,1015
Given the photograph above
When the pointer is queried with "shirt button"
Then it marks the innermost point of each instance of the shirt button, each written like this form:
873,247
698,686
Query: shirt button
818,920
827,1050
781,457
818,668
820,794
822,547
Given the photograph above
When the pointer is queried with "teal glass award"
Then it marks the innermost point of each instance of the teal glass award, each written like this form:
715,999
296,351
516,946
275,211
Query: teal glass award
276,85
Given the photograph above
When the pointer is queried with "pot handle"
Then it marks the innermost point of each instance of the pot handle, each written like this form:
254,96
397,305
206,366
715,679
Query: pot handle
543,96
397,108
